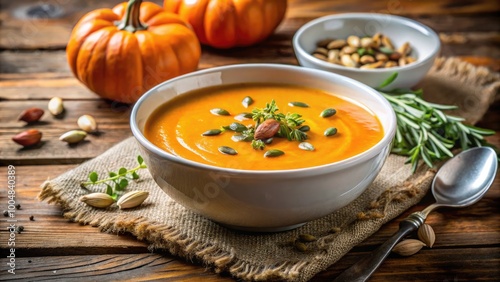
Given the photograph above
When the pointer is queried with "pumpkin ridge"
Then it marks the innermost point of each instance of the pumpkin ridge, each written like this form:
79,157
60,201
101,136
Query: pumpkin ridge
146,17
83,66
76,40
101,48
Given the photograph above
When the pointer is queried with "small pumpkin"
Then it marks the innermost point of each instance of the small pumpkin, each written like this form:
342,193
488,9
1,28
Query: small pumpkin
122,52
230,23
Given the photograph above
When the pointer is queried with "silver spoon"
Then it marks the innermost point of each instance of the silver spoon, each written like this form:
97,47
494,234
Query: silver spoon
460,182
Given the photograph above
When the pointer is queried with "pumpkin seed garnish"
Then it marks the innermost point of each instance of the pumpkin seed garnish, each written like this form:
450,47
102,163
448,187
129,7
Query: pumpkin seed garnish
298,104
304,128
219,112
268,141
328,112
227,150
273,153
243,116
247,101
306,146
235,126
330,131
242,138
212,132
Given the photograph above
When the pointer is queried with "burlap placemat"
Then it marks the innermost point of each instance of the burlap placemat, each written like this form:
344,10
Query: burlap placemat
166,225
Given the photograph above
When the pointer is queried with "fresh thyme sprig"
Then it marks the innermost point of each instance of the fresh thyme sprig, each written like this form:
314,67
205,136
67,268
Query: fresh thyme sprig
117,181
424,131
289,123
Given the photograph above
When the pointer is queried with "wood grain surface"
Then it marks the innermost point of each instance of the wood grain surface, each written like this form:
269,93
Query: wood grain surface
33,69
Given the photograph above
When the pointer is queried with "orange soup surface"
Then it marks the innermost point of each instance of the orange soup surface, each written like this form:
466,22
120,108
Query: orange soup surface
178,125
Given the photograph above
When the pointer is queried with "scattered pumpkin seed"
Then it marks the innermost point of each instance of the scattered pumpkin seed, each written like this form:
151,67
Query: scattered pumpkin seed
330,131
227,150
219,112
247,101
243,116
408,247
306,146
300,246
98,200
298,104
426,234
56,106
307,238
87,123
132,199
273,153
328,112
73,136
212,132
304,128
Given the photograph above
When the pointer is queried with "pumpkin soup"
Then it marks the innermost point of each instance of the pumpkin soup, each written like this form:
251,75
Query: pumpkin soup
263,127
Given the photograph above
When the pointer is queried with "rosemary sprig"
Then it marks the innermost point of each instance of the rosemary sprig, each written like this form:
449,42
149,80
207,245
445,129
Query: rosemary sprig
424,132
117,181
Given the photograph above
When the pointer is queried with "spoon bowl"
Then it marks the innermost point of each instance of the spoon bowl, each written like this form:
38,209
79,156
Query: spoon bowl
464,179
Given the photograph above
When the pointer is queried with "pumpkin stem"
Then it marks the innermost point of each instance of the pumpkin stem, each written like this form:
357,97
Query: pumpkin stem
131,21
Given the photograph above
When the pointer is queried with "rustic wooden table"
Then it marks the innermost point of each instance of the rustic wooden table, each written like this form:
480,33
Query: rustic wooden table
33,68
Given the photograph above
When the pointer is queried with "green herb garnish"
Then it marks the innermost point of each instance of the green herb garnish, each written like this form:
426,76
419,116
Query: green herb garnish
424,131
258,144
117,181
289,123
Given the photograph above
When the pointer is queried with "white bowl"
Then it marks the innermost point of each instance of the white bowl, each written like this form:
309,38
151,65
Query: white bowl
424,42
271,200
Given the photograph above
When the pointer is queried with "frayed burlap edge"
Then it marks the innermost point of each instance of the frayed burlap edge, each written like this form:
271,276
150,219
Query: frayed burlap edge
178,244
470,75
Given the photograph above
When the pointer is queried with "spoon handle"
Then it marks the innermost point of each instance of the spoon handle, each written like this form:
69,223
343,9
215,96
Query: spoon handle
364,268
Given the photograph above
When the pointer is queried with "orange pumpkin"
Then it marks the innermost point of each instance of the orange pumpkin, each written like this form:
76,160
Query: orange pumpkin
230,23
121,53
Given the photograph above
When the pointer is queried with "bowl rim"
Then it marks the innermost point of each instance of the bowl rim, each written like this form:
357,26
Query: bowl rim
366,16
389,132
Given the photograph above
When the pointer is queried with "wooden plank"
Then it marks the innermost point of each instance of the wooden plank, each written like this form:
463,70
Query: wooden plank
112,119
51,234
440,265
482,264
114,267
403,8
34,25
20,79
43,25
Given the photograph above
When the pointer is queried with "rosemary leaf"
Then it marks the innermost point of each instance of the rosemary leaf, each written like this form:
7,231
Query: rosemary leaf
426,133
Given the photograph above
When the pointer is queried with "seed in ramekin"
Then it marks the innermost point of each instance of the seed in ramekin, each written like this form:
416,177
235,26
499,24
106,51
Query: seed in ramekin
336,44
365,52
